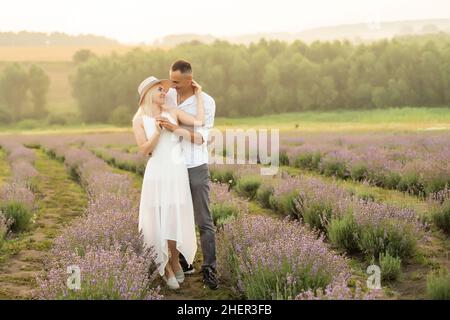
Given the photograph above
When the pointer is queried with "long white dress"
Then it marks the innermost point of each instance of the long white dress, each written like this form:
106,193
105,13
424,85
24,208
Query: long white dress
166,211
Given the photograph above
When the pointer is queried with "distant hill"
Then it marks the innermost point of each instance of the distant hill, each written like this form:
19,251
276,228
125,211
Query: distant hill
26,38
360,32
175,39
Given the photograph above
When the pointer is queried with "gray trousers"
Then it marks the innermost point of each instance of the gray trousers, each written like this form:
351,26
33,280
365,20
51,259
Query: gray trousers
199,182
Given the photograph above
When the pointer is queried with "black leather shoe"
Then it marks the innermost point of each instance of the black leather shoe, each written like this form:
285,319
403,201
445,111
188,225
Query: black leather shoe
189,269
210,278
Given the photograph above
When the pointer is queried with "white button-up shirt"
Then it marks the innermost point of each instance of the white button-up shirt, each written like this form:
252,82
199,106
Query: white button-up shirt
195,155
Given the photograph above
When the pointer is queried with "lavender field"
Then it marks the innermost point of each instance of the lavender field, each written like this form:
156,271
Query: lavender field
339,203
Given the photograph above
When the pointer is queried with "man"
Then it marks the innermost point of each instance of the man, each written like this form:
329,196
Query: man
194,145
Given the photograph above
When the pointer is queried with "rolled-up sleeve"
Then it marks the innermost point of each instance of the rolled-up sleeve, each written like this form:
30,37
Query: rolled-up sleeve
210,111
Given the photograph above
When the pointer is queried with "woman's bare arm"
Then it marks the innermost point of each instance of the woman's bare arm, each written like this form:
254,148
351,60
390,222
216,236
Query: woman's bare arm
188,134
146,147
189,120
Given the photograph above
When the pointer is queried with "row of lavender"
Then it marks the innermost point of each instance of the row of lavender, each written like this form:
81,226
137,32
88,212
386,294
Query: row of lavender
104,244
267,258
412,162
18,203
134,162
383,233
260,256
417,163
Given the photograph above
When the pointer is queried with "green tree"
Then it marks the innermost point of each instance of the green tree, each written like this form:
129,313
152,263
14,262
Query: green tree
82,56
39,83
120,116
14,84
273,76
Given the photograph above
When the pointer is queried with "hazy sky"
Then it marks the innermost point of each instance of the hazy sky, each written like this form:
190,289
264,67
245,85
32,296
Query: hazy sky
146,20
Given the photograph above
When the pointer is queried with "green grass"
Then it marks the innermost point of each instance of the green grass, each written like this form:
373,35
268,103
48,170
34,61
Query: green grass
20,214
438,286
59,201
392,116
392,119
5,170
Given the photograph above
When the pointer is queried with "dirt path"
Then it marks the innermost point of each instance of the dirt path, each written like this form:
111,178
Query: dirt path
434,253
59,200
193,288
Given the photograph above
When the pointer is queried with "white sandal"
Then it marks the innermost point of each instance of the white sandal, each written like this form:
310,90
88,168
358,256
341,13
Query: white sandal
172,283
179,275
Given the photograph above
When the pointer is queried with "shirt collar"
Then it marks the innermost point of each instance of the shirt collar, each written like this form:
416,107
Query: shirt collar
187,102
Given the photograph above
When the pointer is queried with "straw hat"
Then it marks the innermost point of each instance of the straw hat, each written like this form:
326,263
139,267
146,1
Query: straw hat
146,84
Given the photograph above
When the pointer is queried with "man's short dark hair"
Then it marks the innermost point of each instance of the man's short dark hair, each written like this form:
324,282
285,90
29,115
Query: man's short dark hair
182,65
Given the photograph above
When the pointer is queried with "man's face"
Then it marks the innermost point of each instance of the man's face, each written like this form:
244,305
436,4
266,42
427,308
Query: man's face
180,80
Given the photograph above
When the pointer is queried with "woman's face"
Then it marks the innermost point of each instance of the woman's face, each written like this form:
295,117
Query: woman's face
158,95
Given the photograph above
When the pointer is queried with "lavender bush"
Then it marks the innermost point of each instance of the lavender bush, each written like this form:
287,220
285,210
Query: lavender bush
4,228
133,162
348,221
224,205
15,192
266,258
247,186
17,197
414,163
112,273
439,203
23,172
383,228
18,152
104,243
339,291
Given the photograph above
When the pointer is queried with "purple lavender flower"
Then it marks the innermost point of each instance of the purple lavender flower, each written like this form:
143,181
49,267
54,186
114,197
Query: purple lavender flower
267,258
113,273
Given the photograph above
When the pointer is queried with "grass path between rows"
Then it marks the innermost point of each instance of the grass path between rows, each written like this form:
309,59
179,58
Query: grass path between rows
60,200
5,170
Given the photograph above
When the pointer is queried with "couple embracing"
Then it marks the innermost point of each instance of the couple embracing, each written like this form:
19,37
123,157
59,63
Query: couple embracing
172,126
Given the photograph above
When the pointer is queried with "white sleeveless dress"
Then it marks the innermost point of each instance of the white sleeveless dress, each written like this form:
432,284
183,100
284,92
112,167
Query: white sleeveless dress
166,211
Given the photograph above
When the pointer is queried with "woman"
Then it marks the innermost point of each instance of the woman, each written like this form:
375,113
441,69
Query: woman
166,216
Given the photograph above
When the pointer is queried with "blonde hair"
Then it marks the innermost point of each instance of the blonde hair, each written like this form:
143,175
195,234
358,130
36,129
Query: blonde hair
146,106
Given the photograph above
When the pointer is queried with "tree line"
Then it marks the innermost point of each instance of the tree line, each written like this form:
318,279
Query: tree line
266,77
23,92
272,76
